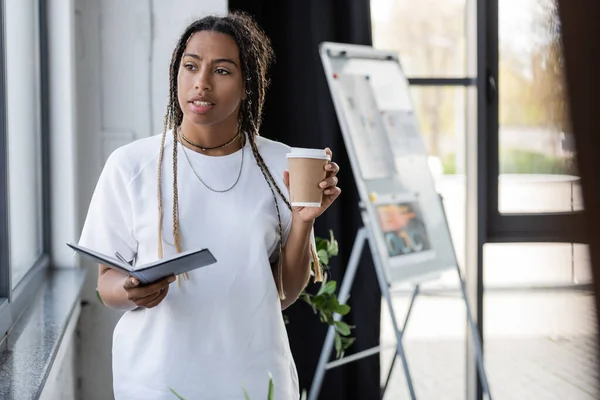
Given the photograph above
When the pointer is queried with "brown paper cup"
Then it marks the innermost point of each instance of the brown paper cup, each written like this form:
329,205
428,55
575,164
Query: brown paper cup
307,170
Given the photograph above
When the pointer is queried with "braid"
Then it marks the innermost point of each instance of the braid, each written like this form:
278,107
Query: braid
272,184
159,186
173,118
256,56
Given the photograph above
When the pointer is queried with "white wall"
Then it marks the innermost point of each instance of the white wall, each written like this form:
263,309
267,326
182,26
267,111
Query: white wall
122,55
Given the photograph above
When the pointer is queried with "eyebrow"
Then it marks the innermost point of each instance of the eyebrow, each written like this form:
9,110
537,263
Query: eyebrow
218,60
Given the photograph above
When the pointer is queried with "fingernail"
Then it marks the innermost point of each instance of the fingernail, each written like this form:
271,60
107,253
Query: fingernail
134,281
323,184
171,279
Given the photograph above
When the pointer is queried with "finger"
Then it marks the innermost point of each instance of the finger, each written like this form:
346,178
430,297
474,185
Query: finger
159,299
143,302
328,151
333,192
130,283
138,293
329,182
158,285
141,295
286,179
332,168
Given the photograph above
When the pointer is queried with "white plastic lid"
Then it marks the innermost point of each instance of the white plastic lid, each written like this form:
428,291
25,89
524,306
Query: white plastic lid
298,152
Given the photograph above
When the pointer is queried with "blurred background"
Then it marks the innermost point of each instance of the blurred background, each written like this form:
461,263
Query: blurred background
83,77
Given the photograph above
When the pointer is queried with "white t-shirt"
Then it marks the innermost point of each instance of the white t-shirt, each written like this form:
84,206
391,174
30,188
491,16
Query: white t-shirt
222,331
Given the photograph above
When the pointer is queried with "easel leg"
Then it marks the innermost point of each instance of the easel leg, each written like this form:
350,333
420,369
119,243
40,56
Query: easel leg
476,339
357,248
385,292
389,376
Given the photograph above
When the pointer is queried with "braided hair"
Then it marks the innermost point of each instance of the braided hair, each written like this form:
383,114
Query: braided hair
256,56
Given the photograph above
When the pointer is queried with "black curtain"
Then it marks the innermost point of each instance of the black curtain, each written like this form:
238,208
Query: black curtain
299,111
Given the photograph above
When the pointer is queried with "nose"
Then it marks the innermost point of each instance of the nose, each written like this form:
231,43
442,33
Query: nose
203,80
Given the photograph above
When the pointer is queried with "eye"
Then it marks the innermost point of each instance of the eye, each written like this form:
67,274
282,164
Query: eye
190,67
221,71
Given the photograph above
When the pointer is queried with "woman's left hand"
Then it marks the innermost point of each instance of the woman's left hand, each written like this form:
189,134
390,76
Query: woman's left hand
330,191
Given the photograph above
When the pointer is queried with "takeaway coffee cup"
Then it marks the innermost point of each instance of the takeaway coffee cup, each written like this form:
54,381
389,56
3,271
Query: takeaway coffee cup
307,170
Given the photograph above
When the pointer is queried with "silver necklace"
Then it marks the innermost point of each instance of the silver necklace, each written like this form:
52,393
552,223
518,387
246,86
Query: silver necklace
204,183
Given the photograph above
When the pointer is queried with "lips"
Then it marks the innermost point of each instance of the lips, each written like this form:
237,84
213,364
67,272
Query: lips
200,105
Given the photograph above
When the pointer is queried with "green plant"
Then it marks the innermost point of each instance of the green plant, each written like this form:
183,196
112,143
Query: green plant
176,394
270,392
325,301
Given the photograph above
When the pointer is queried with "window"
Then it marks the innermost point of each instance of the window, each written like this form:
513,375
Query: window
537,163
534,191
23,136
24,153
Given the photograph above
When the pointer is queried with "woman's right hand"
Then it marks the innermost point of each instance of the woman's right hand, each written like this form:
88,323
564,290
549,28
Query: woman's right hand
147,296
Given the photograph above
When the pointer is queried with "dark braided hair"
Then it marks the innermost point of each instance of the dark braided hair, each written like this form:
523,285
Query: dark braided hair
256,56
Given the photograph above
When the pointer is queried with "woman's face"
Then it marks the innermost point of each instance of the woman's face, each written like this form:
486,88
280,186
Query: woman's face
209,83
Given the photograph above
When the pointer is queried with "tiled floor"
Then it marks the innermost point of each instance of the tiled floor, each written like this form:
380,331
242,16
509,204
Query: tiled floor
539,345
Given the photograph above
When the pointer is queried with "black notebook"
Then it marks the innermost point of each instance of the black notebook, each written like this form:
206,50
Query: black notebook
154,271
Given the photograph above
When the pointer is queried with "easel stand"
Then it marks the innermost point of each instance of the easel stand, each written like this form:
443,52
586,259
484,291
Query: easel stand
323,365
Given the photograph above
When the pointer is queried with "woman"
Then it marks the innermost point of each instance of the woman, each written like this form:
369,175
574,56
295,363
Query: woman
220,331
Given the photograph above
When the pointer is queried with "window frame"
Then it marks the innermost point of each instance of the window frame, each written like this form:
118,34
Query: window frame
13,301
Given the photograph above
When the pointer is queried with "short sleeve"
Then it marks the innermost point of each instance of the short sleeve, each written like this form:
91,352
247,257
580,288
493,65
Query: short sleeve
108,227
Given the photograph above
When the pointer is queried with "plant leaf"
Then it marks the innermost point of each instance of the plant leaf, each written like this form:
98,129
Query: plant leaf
347,342
342,327
176,394
271,388
327,318
332,245
342,309
328,288
338,344
321,243
323,257
246,395
319,302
